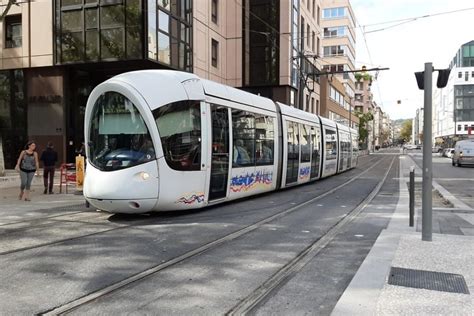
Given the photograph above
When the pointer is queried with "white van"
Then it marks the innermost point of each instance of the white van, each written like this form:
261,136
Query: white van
463,153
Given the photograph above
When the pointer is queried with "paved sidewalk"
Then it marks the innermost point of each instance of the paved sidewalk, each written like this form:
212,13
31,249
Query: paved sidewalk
401,246
13,209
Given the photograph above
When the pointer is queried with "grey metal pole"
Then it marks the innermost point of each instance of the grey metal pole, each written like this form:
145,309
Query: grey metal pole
426,205
412,196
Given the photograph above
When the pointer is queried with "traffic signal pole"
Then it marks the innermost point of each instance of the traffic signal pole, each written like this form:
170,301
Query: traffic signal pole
427,185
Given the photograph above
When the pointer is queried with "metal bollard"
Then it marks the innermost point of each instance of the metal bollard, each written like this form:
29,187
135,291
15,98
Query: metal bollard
412,195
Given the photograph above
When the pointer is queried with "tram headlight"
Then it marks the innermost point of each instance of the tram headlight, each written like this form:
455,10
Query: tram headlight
144,175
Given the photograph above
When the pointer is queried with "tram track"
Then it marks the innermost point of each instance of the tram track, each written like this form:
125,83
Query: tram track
67,214
252,301
89,298
57,219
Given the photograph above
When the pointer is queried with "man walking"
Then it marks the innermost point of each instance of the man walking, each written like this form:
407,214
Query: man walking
49,158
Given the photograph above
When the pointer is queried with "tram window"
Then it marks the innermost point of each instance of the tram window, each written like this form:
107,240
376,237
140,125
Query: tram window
331,144
355,144
179,126
264,144
305,143
119,137
315,148
293,152
243,126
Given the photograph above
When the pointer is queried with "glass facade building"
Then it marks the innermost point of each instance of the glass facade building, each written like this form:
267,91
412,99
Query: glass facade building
262,42
115,30
13,117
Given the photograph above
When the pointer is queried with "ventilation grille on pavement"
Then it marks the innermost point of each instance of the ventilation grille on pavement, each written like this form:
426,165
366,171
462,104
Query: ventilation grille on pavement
429,280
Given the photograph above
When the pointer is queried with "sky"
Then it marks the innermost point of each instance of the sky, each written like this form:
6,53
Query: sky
407,47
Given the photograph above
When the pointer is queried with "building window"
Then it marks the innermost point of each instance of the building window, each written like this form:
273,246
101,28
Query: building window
459,128
317,47
317,107
261,55
214,52
13,31
334,13
313,11
292,97
308,5
93,30
313,38
319,15
308,31
312,105
214,11
459,74
466,76
302,34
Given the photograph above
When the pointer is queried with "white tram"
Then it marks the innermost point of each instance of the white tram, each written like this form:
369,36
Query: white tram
161,140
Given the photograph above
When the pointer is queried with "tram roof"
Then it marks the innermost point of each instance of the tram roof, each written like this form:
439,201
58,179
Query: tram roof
179,85
232,94
296,113
160,87
327,122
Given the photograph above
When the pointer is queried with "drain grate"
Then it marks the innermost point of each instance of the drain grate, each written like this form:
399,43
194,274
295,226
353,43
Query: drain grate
429,280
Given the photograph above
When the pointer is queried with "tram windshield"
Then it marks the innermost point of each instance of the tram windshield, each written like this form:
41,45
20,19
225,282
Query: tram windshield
179,125
119,137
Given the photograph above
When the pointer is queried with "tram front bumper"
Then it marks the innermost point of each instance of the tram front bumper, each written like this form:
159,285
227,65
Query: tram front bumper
132,206
130,190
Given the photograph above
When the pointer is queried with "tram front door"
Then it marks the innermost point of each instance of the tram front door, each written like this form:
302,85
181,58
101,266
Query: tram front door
220,152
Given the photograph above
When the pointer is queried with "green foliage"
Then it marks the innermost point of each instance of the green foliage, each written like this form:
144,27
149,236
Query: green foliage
406,130
364,118
363,75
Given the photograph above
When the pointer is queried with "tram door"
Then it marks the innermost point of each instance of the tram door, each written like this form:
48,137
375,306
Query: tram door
220,152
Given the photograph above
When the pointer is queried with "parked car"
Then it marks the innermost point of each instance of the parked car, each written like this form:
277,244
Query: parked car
409,146
463,153
436,149
448,152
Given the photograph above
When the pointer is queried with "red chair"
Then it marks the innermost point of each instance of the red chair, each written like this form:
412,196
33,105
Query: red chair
67,175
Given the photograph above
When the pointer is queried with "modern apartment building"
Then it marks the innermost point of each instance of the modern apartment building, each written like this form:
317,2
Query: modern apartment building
363,100
453,106
338,25
417,127
281,45
335,103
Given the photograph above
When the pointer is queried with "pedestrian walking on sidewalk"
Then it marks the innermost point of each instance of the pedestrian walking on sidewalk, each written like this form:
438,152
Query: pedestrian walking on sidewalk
49,157
27,165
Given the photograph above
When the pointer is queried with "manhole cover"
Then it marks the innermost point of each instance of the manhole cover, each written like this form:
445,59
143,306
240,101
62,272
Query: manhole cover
429,280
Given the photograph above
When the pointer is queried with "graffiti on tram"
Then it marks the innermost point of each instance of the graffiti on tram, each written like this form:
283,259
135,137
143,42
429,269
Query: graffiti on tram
191,198
305,173
251,181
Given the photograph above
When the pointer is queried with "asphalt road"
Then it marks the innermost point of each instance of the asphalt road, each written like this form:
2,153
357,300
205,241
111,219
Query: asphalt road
203,262
459,181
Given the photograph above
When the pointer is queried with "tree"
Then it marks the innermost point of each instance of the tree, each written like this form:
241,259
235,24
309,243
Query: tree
405,133
364,118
